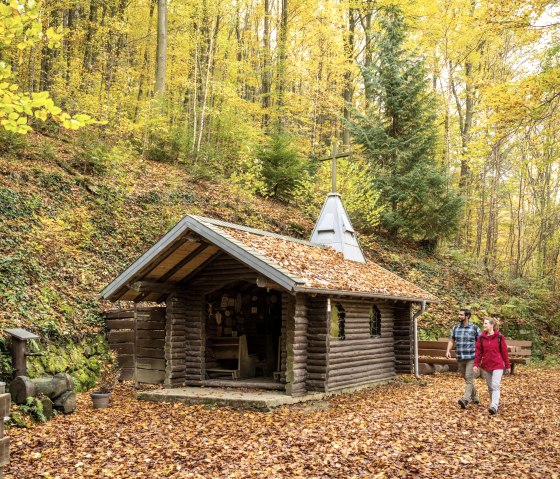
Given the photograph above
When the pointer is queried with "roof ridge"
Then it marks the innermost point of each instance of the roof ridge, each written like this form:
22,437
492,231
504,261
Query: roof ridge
247,229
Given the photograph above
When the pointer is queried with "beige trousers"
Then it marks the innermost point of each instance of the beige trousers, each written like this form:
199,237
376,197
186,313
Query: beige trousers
466,370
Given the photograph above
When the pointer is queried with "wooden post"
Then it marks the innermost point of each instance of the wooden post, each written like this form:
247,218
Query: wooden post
134,352
5,400
19,363
19,338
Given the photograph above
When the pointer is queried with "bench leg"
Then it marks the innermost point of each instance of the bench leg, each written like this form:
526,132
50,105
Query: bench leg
512,368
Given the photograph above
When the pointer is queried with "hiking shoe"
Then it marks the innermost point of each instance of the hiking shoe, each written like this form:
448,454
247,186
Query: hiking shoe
492,410
463,403
476,402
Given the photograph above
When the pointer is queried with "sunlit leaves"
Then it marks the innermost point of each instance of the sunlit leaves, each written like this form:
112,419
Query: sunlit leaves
20,25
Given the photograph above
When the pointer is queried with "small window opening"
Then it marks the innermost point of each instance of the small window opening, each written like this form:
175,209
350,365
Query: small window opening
338,319
374,322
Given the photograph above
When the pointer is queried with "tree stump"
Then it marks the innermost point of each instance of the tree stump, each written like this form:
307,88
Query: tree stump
66,402
47,408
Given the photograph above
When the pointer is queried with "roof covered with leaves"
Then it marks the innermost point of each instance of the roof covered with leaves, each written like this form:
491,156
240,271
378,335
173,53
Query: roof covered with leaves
322,267
292,264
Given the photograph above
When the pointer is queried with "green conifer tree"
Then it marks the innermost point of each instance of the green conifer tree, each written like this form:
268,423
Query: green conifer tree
399,135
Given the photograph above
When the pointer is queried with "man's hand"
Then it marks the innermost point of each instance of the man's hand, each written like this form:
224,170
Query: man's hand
448,354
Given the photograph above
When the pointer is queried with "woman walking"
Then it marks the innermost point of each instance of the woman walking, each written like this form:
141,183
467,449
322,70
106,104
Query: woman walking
492,357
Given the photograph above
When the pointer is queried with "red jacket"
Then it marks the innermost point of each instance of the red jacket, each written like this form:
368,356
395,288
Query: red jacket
488,355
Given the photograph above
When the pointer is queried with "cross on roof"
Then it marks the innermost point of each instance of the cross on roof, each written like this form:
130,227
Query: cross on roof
335,155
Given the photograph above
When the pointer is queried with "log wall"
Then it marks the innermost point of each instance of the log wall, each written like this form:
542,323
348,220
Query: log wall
175,341
360,359
195,339
286,310
296,344
317,337
402,331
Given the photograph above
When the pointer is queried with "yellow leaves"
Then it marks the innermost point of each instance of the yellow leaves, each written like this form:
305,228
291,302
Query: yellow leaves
19,20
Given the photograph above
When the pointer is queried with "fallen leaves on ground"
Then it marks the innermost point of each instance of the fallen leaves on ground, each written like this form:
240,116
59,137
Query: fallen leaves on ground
402,430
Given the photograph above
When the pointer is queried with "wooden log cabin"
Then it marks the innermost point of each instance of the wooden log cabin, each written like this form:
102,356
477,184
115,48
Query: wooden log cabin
241,303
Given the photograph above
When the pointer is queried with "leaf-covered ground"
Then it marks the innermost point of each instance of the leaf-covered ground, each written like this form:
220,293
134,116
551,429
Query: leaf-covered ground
400,430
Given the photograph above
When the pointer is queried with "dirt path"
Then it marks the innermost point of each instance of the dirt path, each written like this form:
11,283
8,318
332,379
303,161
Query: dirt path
401,430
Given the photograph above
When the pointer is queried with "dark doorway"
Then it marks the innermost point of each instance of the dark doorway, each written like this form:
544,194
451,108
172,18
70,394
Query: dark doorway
243,316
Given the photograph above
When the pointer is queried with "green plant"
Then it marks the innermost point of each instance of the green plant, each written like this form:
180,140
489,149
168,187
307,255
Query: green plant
282,165
34,408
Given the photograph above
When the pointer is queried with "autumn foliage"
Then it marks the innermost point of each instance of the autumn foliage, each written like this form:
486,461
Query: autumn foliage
402,430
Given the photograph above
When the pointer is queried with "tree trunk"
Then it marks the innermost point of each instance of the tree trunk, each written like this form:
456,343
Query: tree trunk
211,48
143,73
22,387
161,52
48,55
348,83
266,74
281,69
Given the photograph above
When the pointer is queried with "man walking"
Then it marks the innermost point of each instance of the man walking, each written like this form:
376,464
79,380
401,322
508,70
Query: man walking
463,337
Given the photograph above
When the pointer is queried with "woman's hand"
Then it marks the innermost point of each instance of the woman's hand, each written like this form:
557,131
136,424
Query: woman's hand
475,370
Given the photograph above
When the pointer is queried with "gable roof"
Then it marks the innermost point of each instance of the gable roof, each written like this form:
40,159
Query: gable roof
334,229
295,265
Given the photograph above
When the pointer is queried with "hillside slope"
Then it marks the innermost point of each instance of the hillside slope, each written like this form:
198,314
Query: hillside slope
72,218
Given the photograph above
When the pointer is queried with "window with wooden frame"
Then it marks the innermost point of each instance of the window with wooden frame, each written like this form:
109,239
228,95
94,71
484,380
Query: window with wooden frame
374,322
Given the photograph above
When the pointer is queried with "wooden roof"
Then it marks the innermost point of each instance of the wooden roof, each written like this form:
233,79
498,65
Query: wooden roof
292,264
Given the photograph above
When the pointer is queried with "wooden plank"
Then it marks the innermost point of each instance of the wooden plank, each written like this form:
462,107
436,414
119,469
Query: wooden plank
125,313
432,345
150,334
523,344
125,360
436,353
4,451
120,337
150,376
150,325
123,348
149,353
5,401
120,323
150,343
427,360
151,363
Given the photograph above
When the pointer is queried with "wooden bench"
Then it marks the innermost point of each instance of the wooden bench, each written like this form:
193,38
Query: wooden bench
232,350
434,352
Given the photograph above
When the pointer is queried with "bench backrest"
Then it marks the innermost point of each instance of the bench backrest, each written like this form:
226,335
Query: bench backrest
233,348
515,347
225,348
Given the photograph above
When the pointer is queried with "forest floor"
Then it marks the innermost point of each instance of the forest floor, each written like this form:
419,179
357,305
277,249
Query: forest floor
406,429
